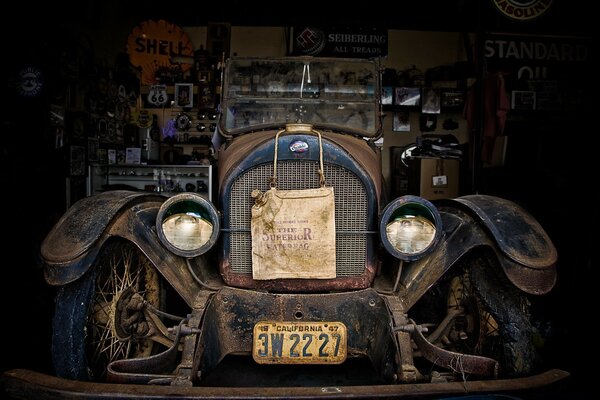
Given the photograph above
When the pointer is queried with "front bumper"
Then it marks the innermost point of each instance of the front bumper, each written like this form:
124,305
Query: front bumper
232,313
26,384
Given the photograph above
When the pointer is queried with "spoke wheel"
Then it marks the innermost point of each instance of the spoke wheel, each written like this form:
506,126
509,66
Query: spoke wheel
99,318
116,328
474,330
491,316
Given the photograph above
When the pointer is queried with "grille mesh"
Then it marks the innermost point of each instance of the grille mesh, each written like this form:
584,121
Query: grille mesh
350,211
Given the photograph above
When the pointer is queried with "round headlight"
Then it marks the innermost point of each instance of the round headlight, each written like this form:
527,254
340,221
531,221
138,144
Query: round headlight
410,227
187,224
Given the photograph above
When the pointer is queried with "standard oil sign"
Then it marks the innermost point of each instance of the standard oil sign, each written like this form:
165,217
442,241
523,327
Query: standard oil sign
156,46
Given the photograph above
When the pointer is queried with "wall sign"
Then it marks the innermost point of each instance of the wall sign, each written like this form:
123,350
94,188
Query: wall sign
339,42
543,72
536,57
156,46
30,81
522,10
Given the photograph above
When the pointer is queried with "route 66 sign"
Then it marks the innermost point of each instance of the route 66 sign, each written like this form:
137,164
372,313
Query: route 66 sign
157,96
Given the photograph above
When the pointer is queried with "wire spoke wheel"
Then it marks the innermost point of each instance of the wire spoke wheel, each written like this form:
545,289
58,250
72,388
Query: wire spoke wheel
100,318
122,273
476,310
474,330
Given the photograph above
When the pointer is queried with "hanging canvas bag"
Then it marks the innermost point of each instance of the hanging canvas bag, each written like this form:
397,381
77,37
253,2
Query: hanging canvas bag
293,231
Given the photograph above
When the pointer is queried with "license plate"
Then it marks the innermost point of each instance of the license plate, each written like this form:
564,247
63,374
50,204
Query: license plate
299,343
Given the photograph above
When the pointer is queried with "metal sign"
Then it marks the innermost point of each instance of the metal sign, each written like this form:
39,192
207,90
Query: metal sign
522,10
340,42
154,46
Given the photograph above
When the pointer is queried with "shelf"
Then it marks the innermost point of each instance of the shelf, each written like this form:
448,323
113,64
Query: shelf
172,179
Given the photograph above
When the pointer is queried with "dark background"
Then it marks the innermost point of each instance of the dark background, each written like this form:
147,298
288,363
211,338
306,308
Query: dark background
550,167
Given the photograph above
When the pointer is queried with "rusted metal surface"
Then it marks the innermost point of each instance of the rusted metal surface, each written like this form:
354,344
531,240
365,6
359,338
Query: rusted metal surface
239,149
305,285
163,367
74,242
85,221
26,385
143,370
356,207
230,318
136,225
524,250
461,234
458,362
407,372
516,232
530,280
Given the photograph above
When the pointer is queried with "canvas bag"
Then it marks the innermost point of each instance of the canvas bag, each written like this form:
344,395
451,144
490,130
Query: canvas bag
293,231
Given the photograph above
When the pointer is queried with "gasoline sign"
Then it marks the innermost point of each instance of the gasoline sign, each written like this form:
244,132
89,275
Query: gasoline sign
155,46
522,10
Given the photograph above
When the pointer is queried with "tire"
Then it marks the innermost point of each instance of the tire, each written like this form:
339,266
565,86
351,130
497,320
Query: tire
88,332
495,319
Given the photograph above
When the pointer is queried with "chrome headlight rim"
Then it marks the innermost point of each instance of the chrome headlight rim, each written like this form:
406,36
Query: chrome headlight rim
398,207
199,203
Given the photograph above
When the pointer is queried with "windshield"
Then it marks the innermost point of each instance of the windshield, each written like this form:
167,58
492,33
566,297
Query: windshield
341,94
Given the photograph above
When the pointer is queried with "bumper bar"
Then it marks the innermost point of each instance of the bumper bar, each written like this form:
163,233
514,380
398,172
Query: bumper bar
26,384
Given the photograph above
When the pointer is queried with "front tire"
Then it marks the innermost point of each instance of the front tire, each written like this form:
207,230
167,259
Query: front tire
506,308
493,317
88,325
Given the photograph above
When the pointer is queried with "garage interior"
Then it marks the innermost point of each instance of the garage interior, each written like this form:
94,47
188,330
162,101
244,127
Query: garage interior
541,159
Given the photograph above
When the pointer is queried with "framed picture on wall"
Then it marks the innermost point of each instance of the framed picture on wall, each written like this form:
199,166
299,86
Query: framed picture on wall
407,96
206,98
431,101
387,95
452,99
523,100
401,121
184,95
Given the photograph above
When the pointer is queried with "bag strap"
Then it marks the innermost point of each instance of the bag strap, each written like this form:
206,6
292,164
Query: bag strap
321,170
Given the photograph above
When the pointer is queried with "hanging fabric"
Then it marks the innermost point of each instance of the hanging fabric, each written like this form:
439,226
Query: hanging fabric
293,231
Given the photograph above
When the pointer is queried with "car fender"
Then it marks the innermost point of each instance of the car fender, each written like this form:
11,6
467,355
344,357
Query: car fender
524,249
73,243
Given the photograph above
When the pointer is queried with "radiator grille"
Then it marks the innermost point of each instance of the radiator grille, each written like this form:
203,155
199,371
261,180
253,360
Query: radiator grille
350,211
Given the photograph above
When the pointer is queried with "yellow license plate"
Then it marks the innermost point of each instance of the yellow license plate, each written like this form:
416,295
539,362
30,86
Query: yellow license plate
299,342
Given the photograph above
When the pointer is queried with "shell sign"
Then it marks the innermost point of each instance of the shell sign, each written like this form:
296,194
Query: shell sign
155,45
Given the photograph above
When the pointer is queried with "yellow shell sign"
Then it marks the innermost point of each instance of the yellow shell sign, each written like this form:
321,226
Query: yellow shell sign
156,45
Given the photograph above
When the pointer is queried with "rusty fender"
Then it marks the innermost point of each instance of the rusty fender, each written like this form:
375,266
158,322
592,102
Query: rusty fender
529,255
73,244
522,247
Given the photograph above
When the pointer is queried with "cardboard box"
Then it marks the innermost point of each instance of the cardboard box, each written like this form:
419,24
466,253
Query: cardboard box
434,178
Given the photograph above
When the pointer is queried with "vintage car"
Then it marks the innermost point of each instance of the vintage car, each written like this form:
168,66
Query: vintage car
302,279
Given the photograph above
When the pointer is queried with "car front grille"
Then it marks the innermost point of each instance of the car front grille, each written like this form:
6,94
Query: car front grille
350,211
